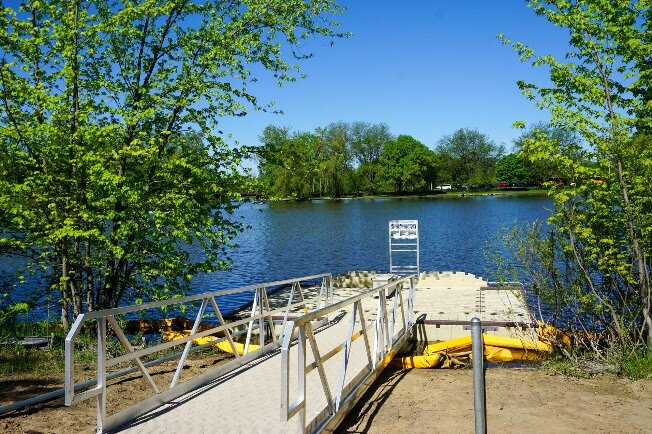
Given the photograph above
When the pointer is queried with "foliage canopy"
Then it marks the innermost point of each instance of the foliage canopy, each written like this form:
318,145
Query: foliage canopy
113,174
596,259
472,156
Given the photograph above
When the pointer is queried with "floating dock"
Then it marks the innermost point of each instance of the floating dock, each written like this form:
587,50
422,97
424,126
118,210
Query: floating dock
446,301
248,400
300,357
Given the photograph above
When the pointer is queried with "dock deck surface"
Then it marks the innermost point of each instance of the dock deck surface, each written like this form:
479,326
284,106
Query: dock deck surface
453,298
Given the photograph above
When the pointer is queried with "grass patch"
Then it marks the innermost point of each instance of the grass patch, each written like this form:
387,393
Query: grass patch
638,365
17,361
564,366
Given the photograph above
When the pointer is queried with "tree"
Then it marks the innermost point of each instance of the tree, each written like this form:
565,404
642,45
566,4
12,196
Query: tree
512,168
470,155
333,150
602,226
567,141
367,141
111,162
287,163
406,162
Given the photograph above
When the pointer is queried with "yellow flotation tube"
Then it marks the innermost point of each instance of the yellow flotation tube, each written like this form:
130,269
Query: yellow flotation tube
221,345
425,361
456,351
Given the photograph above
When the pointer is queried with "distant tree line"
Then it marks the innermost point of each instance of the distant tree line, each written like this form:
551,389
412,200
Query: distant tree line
366,158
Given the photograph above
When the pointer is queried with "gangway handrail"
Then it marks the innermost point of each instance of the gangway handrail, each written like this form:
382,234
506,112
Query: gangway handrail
259,319
387,339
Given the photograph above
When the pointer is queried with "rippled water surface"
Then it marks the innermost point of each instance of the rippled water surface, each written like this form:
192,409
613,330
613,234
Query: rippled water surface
292,239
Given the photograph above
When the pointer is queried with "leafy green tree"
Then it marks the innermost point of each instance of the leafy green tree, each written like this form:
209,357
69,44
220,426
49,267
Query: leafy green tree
470,156
406,163
334,155
512,168
367,141
568,142
111,165
301,164
603,226
286,163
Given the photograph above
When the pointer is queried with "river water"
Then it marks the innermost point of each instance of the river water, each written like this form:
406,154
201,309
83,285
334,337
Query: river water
294,239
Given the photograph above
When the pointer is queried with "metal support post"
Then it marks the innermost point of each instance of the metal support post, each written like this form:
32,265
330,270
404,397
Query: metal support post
411,303
478,377
101,373
330,289
301,377
261,320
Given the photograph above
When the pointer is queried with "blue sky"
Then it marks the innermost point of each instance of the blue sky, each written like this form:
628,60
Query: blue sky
426,68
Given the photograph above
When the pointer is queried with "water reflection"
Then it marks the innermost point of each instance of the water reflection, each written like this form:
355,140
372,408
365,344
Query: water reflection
291,239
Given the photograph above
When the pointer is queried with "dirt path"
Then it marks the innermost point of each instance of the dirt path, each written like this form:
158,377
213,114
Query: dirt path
425,401
518,400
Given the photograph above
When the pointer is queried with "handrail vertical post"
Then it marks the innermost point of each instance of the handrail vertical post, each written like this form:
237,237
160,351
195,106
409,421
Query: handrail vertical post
322,294
346,356
478,377
385,325
394,308
330,289
285,371
377,332
261,320
301,380
70,359
101,373
411,303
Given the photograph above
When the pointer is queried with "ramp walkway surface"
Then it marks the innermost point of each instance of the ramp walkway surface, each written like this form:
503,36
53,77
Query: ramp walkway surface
247,400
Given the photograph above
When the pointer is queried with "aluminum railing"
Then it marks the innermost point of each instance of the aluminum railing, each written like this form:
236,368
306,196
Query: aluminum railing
261,316
391,328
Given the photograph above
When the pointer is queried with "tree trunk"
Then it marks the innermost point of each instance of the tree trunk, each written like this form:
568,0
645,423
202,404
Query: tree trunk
63,285
643,279
89,283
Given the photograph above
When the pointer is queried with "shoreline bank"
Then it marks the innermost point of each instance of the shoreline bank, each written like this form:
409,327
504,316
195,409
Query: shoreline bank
428,195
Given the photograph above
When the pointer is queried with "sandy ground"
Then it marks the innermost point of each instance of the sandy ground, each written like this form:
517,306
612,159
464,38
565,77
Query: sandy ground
518,400
420,401
54,417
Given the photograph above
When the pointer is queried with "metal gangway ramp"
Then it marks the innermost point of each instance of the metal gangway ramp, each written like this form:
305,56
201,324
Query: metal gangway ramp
315,357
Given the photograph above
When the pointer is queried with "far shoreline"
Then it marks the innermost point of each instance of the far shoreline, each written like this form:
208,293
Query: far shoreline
425,195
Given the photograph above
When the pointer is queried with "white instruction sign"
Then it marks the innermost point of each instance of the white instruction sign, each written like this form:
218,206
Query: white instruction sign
404,229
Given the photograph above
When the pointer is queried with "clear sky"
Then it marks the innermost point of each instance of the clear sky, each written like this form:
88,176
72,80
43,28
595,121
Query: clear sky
426,68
